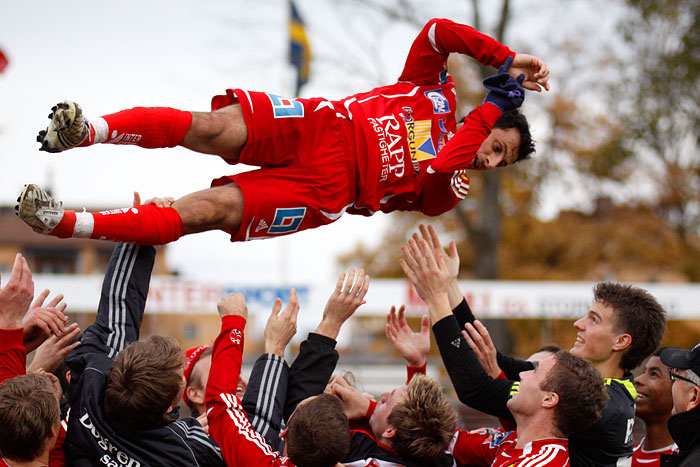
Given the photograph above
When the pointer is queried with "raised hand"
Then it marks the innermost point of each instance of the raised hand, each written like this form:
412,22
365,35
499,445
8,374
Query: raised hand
479,339
355,404
233,305
52,352
16,295
41,321
413,346
281,327
345,299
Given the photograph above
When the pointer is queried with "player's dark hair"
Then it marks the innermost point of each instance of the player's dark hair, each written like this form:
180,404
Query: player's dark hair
581,392
144,381
551,348
318,433
514,119
28,412
637,313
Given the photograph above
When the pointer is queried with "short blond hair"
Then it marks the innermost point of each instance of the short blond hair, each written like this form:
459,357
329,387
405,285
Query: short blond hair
425,422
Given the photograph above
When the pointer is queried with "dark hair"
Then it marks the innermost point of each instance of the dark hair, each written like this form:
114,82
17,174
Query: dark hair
28,411
425,422
581,391
514,119
144,381
637,313
318,433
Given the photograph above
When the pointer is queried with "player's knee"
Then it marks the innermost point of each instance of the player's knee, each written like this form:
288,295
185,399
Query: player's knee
218,208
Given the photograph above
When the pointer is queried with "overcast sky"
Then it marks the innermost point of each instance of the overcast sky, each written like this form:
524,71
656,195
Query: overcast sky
116,55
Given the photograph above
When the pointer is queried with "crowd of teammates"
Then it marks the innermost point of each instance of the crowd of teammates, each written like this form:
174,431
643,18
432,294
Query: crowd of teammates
111,399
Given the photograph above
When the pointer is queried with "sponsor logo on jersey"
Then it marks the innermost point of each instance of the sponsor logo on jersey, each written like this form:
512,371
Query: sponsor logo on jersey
119,211
124,138
420,140
287,220
390,142
120,457
283,107
440,103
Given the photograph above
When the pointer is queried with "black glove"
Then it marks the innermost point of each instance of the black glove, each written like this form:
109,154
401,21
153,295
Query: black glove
505,92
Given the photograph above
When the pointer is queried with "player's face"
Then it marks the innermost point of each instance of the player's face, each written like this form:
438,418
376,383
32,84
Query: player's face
596,335
379,421
530,396
498,150
654,399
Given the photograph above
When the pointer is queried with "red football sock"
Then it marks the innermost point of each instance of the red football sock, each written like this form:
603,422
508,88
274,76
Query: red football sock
148,127
145,225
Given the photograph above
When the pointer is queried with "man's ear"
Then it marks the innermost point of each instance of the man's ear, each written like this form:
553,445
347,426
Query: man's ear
694,401
550,400
390,432
195,394
622,341
283,434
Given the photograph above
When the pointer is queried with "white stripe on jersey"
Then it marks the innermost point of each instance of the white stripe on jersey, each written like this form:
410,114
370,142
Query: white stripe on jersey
431,36
544,457
235,412
117,308
460,184
197,434
388,96
270,382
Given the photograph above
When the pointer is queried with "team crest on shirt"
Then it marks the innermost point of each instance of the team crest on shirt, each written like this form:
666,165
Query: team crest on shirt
235,336
440,103
283,107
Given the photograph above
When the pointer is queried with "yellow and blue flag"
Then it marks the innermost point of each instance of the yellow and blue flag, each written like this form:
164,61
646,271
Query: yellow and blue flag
299,51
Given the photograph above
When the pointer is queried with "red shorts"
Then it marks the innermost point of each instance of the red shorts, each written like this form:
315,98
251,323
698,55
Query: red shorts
306,150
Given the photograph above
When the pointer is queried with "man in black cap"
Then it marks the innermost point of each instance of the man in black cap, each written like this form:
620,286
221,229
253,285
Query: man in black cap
684,424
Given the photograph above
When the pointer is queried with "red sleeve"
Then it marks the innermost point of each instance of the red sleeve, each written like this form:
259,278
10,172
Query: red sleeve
460,150
362,424
13,356
442,191
479,447
411,371
427,58
228,423
57,458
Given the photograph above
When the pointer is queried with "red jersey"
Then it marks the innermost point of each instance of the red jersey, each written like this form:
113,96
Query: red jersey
228,422
405,129
496,447
642,458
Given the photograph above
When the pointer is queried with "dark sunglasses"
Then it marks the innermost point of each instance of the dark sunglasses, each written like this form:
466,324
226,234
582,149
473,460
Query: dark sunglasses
673,374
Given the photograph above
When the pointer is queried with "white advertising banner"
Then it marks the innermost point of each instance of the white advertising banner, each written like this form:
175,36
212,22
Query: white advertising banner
488,299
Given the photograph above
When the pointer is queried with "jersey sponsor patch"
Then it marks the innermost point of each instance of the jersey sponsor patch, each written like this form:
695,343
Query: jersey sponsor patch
460,184
440,103
283,107
287,220
235,336
420,141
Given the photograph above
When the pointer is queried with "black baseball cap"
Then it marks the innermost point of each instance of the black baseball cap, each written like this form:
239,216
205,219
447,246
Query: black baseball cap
681,358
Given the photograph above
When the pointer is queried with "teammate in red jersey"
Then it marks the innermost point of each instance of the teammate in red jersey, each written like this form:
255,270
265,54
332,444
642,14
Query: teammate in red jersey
397,147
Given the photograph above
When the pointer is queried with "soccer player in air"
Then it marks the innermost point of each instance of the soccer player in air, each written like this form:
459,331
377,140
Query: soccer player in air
397,147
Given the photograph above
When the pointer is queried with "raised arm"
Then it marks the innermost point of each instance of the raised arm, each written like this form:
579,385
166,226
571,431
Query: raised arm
266,393
427,59
413,346
313,367
474,387
228,423
15,297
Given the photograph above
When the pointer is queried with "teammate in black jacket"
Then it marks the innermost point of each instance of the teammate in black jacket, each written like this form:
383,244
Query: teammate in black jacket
93,438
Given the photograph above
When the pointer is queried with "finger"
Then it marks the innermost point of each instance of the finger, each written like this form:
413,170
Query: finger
55,301
424,232
425,324
401,318
474,334
483,332
16,273
27,276
70,333
453,250
407,270
349,282
409,256
427,252
358,282
471,344
293,306
276,307
434,237
339,284
137,199
365,288
39,301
